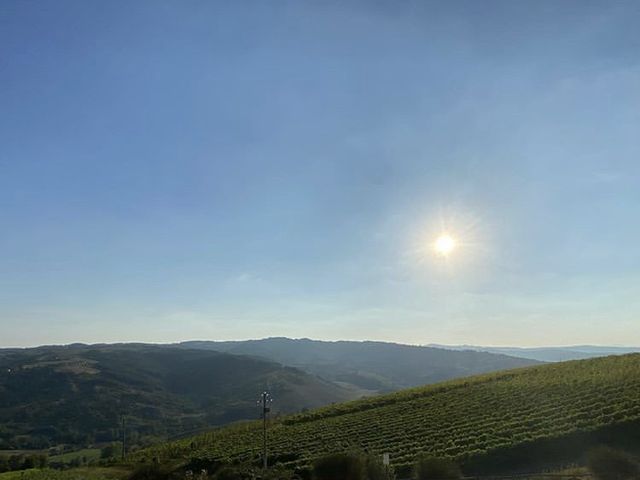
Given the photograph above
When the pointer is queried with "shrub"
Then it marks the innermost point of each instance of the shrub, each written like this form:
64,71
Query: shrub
376,470
150,472
248,472
113,450
278,472
339,466
608,464
198,464
16,462
432,468
229,473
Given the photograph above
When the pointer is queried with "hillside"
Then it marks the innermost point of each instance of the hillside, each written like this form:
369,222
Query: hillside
77,394
373,366
501,421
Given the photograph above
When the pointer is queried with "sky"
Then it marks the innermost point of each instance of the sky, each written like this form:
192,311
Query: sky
174,170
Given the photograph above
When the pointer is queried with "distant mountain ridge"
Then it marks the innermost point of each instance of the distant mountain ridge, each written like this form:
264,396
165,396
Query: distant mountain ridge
548,354
369,365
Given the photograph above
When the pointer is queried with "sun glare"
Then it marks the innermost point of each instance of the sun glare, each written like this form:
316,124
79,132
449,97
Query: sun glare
445,244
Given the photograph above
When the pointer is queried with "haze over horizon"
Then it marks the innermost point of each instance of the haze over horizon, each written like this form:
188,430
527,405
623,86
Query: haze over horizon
180,170
248,339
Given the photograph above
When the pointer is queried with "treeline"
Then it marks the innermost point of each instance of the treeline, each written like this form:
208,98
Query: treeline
602,463
60,458
14,462
13,437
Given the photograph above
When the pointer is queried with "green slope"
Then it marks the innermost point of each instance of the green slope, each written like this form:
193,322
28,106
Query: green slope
502,417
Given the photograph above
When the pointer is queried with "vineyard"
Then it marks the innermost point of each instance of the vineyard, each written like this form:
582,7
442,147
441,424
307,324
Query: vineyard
465,419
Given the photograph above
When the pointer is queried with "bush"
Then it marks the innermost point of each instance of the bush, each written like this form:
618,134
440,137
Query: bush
431,468
150,472
376,470
339,466
278,472
608,464
227,473
248,472
113,450
231,473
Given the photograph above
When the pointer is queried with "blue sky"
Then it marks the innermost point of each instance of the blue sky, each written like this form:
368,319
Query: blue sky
217,170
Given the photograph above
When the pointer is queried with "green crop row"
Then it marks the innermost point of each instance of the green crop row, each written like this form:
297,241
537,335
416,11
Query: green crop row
456,419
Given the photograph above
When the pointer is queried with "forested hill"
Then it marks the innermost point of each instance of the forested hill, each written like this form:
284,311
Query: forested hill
77,394
374,366
519,419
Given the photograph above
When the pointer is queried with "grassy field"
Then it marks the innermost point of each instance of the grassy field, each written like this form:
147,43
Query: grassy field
492,420
88,453
112,473
22,452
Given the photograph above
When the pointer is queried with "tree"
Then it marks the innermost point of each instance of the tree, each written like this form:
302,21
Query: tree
16,462
41,460
432,468
29,462
112,450
4,463
376,470
339,466
608,464
150,472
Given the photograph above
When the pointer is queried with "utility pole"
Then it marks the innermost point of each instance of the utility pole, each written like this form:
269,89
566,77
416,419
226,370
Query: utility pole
124,437
265,400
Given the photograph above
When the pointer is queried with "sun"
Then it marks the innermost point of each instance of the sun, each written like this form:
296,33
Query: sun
444,245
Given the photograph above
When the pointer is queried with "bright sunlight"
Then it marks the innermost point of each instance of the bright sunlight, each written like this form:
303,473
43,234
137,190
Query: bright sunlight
445,244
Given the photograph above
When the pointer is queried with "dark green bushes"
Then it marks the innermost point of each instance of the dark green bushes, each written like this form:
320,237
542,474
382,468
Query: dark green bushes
22,462
246,472
432,468
113,450
151,472
608,464
230,473
339,466
345,466
376,470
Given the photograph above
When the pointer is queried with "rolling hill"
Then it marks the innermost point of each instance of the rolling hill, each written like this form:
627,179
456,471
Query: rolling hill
505,421
78,393
372,366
